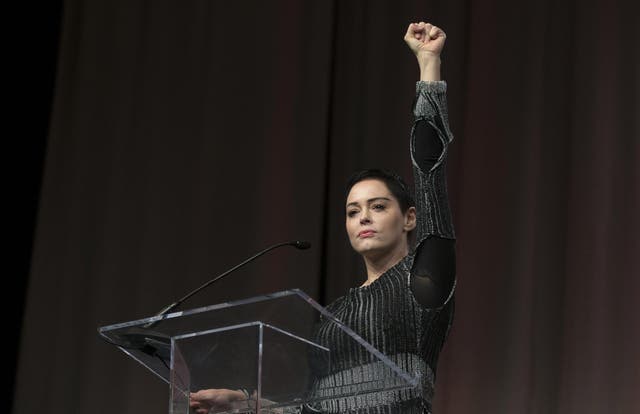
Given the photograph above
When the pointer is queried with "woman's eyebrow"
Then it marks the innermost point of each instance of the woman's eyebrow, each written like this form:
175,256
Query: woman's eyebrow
355,203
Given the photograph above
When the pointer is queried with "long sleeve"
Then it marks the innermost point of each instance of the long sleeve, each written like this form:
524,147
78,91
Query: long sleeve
433,270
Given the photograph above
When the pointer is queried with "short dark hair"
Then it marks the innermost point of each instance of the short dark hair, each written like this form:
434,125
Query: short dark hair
393,181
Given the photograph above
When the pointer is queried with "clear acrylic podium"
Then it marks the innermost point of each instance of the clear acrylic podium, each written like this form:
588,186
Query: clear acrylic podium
267,346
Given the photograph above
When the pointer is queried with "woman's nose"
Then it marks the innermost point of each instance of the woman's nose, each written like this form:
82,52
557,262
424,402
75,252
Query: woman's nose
364,217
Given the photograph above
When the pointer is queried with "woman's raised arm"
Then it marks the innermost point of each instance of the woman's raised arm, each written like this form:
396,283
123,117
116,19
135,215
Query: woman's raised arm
433,270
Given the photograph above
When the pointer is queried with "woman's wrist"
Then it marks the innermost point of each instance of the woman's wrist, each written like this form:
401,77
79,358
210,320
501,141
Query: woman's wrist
429,67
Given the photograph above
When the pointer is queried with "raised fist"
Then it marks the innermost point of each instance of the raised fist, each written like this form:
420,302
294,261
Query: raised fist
425,39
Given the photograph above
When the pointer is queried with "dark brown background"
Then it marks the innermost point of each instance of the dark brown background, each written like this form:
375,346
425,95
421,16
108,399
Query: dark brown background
185,136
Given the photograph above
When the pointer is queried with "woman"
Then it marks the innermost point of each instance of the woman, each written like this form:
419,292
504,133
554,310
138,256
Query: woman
405,307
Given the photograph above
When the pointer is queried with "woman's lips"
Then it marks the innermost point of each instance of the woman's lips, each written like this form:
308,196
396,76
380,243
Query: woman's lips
366,233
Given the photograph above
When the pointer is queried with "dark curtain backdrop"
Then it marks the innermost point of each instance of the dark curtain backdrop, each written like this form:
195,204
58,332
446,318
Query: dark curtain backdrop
186,136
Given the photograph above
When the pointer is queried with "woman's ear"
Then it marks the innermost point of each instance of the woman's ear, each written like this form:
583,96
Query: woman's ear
410,219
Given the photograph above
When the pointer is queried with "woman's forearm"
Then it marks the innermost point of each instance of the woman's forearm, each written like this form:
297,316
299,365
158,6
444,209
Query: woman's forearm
426,42
429,68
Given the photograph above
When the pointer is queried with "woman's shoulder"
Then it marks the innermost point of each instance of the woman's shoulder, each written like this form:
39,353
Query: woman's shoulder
336,304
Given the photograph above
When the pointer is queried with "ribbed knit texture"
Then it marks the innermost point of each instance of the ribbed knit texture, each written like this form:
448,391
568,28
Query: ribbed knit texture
431,189
385,313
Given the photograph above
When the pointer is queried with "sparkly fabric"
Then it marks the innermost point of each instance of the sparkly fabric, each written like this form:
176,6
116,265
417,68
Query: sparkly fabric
386,313
431,190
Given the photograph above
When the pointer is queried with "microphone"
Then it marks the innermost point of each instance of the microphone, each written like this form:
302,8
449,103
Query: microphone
157,344
298,244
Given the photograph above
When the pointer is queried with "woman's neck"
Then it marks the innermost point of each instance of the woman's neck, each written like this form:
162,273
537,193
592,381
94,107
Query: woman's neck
377,265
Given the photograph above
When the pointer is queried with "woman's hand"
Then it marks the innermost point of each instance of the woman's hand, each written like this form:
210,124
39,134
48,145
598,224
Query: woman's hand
218,399
426,41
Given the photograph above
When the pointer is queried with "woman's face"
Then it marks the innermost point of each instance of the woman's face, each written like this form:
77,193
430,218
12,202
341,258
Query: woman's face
375,223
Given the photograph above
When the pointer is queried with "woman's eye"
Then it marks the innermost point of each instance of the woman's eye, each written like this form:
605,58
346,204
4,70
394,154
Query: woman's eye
378,207
352,213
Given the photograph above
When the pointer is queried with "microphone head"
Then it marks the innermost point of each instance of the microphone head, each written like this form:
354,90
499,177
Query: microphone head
302,245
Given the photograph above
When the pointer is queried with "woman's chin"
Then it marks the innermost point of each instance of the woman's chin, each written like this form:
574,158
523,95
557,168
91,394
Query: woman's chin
371,249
